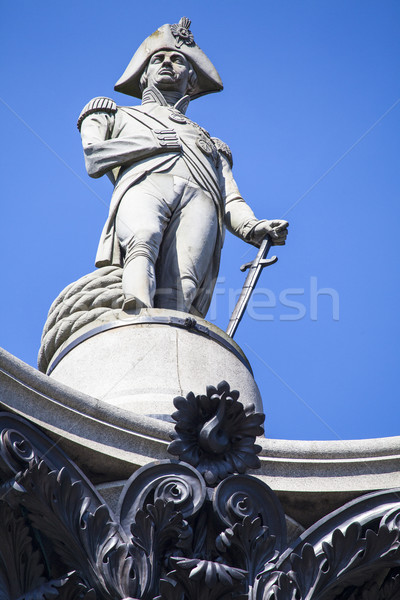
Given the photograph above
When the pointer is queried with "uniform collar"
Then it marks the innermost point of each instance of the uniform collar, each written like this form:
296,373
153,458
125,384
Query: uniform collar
152,94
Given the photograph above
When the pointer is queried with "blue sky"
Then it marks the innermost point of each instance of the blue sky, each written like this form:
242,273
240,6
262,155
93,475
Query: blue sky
311,111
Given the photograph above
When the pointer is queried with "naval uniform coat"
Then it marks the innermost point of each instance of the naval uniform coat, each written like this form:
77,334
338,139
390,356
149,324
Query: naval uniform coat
126,143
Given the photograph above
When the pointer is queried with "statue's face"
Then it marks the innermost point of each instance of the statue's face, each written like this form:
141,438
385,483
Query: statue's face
169,70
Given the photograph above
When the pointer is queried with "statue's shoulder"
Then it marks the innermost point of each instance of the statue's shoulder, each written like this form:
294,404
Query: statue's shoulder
224,149
99,104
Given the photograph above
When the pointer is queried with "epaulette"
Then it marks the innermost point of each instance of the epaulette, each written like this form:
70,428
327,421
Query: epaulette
224,148
99,104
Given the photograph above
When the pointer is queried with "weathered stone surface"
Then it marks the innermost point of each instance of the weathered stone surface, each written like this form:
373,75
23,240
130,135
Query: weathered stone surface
310,478
141,362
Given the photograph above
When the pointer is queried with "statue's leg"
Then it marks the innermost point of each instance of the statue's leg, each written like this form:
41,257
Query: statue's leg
142,217
187,250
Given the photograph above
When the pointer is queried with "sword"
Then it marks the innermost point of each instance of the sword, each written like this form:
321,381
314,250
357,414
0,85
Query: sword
253,275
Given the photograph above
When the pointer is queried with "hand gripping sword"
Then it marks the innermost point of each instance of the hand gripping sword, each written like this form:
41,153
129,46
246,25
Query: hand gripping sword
253,275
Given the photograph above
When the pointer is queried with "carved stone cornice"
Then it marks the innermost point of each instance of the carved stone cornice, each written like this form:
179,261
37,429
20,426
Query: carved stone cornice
175,536
108,443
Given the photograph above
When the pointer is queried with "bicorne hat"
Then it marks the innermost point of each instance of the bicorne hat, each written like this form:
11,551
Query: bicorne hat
171,37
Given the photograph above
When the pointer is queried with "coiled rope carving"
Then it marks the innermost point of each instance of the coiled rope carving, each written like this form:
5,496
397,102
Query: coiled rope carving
79,304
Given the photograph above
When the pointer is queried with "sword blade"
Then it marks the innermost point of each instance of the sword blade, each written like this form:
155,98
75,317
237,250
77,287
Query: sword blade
250,283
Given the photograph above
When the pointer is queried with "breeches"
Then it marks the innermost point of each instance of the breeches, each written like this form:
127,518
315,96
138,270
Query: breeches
173,223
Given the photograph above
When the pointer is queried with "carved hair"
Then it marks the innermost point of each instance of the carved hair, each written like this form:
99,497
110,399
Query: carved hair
191,83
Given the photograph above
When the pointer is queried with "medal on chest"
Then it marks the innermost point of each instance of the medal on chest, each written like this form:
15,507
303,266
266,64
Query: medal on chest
203,140
205,145
177,117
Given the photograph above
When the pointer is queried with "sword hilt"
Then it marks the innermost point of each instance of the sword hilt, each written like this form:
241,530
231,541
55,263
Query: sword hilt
264,262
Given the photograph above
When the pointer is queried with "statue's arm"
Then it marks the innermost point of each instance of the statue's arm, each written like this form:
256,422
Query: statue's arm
106,148
239,217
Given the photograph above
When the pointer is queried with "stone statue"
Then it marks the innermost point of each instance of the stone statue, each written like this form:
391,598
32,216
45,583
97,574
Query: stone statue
174,190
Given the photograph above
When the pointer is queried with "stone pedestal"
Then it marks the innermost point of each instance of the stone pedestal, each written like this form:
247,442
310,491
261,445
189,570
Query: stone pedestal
140,362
